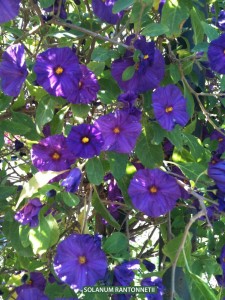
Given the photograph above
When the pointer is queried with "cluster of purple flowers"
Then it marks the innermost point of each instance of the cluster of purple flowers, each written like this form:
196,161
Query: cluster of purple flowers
113,132
58,71
148,70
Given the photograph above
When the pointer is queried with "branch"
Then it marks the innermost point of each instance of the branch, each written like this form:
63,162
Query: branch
89,32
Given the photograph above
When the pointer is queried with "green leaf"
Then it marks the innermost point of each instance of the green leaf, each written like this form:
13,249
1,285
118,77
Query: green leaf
6,191
123,184
11,231
155,29
96,67
118,162
20,101
211,31
44,113
36,182
45,235
103,211
222,83
95,171
69,199
101,54
46,3
128,73
170,249
121,5
158,133
198,288
24,235
174,73
176,137
58,120
197,26
116,244
80,110
196,149
26,122
5,101
192,170
151,156
174,15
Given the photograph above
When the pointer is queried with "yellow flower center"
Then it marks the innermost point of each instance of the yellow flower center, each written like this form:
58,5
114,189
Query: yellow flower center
59,70
85,140
82,260
146,56
220,139
116,130
56,156
29,282
153,189
169,109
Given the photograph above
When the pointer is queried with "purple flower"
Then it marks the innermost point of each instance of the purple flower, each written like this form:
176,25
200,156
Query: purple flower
52,154
31,294
124,274
184,194
55,7
170,107
79,261
13,70
221,140
88,87
103,10
72,181
161,4
128,98
149,266
9,10
85,140
157,282
216,54
29,213
58,72
36,280
148,70
120,131
216,171
153,192
221,20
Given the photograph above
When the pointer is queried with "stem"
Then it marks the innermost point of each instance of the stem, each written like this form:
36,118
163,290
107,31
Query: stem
181,247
